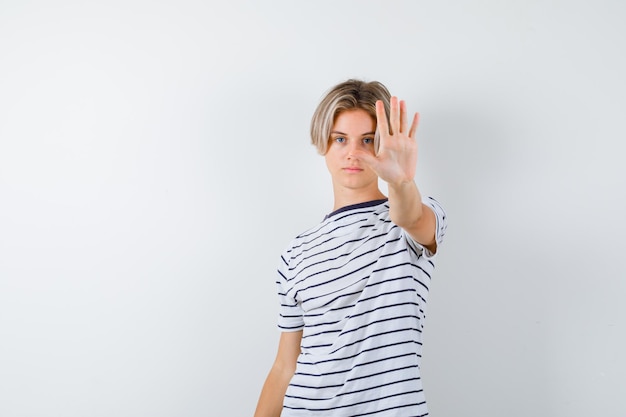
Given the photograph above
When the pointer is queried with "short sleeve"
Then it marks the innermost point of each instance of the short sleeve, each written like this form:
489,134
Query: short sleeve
290,318
441,224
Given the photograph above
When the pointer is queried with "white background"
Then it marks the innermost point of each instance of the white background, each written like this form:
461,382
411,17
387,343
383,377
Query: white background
154,162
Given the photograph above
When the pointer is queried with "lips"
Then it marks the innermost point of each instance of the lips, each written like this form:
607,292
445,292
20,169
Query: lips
352,169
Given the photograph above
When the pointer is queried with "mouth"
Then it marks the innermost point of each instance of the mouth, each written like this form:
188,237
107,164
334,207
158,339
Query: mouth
352,169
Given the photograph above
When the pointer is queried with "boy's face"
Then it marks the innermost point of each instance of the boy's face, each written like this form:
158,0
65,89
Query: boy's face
352,132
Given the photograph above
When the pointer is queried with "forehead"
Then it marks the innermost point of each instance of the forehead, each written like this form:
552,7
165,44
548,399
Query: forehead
354,120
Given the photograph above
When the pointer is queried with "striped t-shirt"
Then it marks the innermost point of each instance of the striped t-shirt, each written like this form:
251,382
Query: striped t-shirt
357,285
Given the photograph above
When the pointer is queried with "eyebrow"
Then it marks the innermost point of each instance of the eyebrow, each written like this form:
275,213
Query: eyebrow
336,132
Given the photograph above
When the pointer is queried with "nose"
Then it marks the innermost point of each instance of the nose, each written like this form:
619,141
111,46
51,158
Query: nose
351,148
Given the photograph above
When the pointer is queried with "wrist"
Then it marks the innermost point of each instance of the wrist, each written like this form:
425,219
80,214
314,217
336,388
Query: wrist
401,186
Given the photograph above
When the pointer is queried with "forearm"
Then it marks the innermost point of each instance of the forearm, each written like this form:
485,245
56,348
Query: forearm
405,204
407,211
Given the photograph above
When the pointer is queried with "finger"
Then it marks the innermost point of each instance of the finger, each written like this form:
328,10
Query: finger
394,115
381,119
403,121
416,119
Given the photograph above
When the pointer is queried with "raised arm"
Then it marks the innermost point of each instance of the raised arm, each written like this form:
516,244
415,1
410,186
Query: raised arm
271,399
407,211
395,163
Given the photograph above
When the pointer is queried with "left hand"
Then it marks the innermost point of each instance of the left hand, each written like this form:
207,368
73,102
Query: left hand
396,159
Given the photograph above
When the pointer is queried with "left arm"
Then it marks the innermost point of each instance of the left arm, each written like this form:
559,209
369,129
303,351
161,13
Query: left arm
395,163
407,211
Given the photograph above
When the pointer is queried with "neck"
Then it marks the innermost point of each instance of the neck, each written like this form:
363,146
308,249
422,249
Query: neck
347,197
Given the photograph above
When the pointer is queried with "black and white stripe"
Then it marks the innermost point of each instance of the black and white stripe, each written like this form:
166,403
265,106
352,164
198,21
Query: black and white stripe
357,285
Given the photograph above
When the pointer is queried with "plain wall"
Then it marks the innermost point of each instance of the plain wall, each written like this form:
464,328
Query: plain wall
155,161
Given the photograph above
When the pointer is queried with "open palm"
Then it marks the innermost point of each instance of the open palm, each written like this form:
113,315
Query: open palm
396,159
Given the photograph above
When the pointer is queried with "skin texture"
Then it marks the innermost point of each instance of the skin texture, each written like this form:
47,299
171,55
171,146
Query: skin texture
396,164
271,399
353,180
355,167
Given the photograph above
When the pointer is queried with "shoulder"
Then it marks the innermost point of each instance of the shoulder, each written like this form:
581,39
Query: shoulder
440,226
440,216
296,245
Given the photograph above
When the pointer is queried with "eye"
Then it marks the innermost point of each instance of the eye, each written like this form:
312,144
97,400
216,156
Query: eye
368,141
340,139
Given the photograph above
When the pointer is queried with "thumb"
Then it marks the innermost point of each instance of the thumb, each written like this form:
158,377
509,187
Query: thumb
367,158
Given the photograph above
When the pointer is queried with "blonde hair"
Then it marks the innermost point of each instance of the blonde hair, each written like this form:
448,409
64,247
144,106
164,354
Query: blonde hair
348,95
